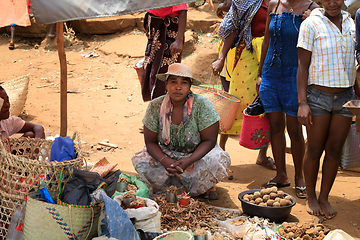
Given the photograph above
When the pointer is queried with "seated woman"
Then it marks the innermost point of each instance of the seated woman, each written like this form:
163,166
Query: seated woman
180,131
13,124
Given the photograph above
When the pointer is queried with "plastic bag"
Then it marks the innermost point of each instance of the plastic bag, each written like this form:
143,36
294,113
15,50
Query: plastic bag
146,218
78,189
143,190
113,220
147,235
62,149
338,234
237,231
256,108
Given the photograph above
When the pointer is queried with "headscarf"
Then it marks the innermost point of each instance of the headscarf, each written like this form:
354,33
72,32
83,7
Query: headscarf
165,115
239,18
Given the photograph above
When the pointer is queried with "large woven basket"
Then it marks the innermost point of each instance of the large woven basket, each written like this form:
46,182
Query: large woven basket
225,104
62,222
23,170
17,90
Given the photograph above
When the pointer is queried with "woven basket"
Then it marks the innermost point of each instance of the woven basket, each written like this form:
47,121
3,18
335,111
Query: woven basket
22,171
176,235
17,90
224,103
62,222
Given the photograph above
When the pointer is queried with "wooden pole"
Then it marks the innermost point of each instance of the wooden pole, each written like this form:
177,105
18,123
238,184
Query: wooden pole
63,79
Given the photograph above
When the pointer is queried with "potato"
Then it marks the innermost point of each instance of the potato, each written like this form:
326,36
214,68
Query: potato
246,199
291,235
283,202
252,201
273,195
257,194
268,191
288,198
247,196
276,204
262,204
288,202
270,202
280,194
258,200
266,198
274,189
277,199
263,192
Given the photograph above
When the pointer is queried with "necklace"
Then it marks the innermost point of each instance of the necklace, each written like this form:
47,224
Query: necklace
292,8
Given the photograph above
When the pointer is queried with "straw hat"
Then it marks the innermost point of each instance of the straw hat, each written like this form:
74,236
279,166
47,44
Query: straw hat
178,69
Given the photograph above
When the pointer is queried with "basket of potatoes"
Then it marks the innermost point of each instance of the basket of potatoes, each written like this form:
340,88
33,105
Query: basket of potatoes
268,203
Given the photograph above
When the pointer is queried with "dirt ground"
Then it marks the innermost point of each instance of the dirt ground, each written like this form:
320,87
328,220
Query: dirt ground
115,113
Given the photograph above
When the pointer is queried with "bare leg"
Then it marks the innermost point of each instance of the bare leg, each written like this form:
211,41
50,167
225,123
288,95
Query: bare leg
294,129
337,134
278,145
52,30
316,136
223,140
12,35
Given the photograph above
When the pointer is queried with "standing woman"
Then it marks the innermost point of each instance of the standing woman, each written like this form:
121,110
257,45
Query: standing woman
165,28
326,81
243,29
277,83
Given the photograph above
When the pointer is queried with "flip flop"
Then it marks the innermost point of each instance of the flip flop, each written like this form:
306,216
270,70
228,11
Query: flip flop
269,164
272,184
211,194
11,46
52,35
302,190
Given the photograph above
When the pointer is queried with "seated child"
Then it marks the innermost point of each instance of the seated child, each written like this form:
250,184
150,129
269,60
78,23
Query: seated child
14,124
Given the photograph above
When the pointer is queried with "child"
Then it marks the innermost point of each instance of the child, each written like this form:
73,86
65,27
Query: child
325,81
13,124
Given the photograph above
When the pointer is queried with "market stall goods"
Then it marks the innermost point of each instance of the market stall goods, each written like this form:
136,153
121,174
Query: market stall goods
302,231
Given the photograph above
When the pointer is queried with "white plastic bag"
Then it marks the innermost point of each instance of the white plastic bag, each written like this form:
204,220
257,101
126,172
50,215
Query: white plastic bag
237,231
147,218
338,234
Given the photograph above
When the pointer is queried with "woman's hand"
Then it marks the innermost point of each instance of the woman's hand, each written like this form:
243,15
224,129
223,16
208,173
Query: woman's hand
172,168
304,115
217,66
176,47
258,83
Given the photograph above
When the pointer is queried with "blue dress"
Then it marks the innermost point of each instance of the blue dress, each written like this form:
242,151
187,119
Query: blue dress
278,90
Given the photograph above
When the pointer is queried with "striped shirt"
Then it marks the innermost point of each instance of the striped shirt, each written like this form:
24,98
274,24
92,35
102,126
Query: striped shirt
333,52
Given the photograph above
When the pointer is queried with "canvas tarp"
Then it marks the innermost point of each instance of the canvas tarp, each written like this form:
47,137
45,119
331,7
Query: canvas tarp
51,11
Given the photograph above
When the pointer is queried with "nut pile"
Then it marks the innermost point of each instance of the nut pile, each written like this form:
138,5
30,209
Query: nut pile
137,202
123,179
269,197
303,231
129,195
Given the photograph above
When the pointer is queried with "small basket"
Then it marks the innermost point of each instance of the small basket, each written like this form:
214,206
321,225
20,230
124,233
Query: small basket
225,104
176,235
255,131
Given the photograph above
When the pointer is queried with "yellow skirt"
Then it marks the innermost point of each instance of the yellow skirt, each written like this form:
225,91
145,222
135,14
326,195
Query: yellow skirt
243,79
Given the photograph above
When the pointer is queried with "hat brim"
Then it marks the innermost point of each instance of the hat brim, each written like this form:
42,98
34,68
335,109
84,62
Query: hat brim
163,77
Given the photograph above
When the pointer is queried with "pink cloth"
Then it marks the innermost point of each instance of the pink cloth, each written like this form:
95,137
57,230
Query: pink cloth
168,11
16,13
10,126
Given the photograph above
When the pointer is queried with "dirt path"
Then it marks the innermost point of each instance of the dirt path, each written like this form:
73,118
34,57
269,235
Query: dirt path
115,114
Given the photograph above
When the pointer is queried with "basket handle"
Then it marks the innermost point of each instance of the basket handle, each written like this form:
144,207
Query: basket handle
61,190
102,185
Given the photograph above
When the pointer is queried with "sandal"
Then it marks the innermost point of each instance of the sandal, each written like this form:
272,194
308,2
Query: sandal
301,194
11,46
211,194
269,164
272,184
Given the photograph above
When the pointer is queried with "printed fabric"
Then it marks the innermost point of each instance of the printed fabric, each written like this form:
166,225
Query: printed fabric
10,126
184,139
239,19
333,52
161,33
168,11
165,115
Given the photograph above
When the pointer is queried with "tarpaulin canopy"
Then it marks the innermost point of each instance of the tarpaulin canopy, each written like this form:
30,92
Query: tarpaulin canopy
52,11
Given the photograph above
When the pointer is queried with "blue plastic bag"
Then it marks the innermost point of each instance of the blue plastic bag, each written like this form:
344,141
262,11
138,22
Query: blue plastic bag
62,149
113,220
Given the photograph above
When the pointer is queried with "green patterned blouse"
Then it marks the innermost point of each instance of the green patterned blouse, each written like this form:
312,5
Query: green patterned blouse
183,138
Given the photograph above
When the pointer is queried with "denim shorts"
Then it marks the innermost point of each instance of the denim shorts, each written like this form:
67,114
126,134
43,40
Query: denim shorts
278,90
322,103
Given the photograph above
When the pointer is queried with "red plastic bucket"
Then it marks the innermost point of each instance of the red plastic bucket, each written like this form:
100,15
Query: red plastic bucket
255,131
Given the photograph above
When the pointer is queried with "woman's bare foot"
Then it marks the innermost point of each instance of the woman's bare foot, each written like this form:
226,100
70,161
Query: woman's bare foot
328,211
313,207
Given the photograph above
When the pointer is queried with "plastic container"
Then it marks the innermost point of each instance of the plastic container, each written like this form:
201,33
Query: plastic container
139,206
184,200
275,214
16,227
